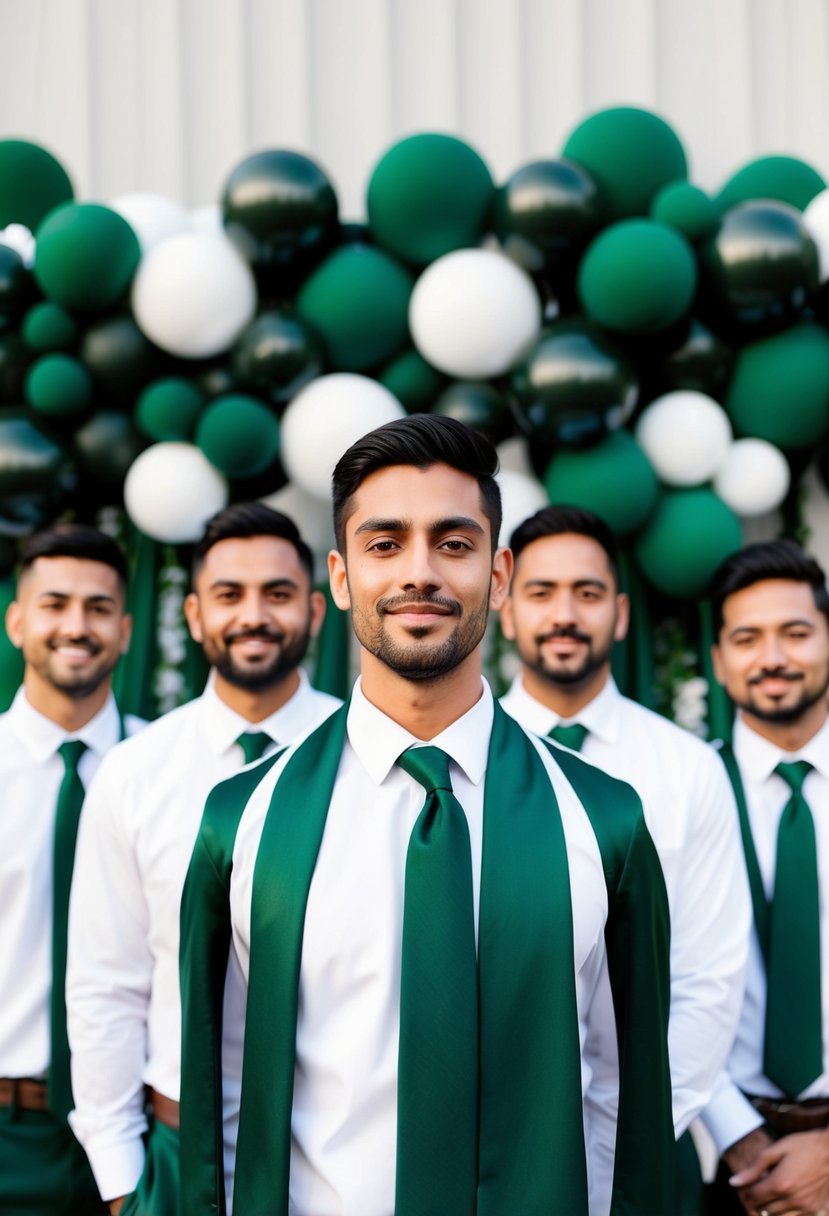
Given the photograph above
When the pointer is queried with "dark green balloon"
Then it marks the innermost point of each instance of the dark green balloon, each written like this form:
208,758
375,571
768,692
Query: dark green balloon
614,479
689,534
85,256
780,388
17,288
357,300
212,379
271,479
239,435
32,182
58,386
758,270
15,358
168,409
121,359
480,406
687,208
630,153
429,194
637,277
36,475
545,214
573,387
703,362
276,356
784,178
48,327
105,447
413,381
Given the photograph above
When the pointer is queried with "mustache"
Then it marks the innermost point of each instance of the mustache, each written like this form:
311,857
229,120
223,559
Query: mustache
261,632
564,631
769,673
392,602
82,641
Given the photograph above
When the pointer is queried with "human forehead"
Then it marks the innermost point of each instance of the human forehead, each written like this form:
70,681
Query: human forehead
770,604
70,578
417,497
250,561
566,557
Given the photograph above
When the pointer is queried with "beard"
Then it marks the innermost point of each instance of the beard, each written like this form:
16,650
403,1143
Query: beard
783,715
564,673
78,685
420,660
254,677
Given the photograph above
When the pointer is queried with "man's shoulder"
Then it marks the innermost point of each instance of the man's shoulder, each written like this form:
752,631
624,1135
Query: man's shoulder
668,734
146,741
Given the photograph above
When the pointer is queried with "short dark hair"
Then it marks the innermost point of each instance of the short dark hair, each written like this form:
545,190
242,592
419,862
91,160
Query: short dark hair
766,559
560,518
73,540
244,520
420,440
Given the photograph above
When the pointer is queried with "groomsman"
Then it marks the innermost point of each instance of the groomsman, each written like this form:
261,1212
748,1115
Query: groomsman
769,1115
254,610
68,618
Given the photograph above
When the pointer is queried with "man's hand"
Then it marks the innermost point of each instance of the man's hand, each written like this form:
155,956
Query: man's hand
115,1205
790,1176
741,1155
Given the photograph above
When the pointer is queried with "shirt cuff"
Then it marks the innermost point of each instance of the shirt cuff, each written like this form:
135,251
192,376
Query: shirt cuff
117,1168
729,1116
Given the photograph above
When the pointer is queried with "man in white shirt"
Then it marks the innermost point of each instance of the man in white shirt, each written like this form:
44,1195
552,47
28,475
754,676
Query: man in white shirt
769,1116
69,620
565,613
418,1016
254,609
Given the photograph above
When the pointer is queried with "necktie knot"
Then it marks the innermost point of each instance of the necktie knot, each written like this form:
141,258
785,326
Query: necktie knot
794,774
569,736
253,744
429,766
71,752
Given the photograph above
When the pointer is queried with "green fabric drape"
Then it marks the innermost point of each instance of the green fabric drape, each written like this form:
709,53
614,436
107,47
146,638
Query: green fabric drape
132,681
332,672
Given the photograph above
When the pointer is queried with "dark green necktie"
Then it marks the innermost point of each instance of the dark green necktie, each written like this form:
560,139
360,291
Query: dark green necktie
794,1042
253,743
437,1108
70,800
569,736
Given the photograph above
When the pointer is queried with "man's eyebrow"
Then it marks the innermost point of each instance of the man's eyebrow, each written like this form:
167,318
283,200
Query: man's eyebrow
101,598
552,582
799,622
455,523
270,585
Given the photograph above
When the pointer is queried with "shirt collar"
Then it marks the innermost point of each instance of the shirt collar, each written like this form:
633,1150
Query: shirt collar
759,757
378,740
42,737
602,716
224,725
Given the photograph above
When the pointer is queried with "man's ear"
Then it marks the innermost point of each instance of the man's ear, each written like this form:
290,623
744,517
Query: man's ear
502,564
338,580
622,617
192,616
508,620
14,624
318,607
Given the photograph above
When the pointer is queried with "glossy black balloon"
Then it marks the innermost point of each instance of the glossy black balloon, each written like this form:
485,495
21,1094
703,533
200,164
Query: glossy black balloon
702,363
479,405
18,290
573,387
546,213
271,479
37,476
105,447
275,356
120,360
212,379
15,360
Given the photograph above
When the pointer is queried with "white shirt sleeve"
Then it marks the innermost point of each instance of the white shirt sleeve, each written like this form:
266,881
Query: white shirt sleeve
729,1115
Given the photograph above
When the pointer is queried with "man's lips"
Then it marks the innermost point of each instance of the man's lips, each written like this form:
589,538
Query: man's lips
776,684
76,652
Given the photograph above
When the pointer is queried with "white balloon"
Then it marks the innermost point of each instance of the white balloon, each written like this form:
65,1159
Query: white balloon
207,220
19,238
324,419
171,490
816,222
473,313
685,435
152,217
754,477
521,496
311,515
193,295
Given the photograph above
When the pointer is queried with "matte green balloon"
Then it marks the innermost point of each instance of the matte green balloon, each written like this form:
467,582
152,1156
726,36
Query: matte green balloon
413,381
121,359
168,409
780,388
637,277
59,386
614,479
545,214
429,194
687,208
85,256
48,327
32,182
784,178
105,447
276,356
684,541
480,406
357,300
239,435
631,153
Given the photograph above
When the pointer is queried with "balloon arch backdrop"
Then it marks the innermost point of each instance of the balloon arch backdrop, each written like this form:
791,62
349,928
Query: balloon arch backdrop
633,344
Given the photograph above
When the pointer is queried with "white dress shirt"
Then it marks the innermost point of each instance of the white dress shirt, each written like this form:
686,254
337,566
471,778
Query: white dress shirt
344,1119
139,824
31,773
690,813
730,1116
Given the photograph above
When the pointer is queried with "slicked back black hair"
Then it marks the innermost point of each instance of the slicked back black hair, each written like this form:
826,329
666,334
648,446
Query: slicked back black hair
244,520
562,518
74,540
763,560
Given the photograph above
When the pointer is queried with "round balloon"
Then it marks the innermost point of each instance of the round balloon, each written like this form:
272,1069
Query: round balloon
20,238
614,479
172,490
413,381
37,476
239,435
784,178
15,358
311,515
152,217
702,362
17,289
428,195
479,405
689,534
59,386
106,446
193,295
473,313
48,327
685,435
167,409
687,208
521,497
32,182
85,256
120,359
573,387
324,419
276,356
545,214
816,223
780,388
754,478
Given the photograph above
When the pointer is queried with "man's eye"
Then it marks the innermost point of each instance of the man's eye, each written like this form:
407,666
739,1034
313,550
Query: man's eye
382,546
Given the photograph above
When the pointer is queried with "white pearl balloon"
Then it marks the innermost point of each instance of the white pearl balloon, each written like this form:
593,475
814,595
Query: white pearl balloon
473,313
816,223
152,217
171,490
324,419
207,220
685,435
754,477
311,515
193,295
521,496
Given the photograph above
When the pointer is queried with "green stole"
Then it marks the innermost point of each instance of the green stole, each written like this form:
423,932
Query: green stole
759,902
531,1144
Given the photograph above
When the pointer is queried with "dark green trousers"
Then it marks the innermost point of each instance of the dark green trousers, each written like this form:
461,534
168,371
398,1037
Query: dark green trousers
157,1193
689,1187
43,1169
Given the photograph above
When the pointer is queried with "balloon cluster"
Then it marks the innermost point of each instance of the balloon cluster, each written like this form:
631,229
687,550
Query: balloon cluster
660,354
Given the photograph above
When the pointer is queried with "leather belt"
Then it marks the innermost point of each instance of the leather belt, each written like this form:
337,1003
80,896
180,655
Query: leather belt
164,1109
787,1118
23,1093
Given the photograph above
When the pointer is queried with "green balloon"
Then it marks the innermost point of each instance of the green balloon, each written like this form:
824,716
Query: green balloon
684,541
358,303
480,406
48,327
429,194
239,435
614,479
105,447
780,388
276,356
413,381
85,256
630,153
11,659
121,359
59,386
637,277
687,208
784,178
168,409
545,214
32,182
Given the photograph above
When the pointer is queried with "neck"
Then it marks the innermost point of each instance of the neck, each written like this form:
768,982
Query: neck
257,704
420,707
71,713
564,699
789,736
